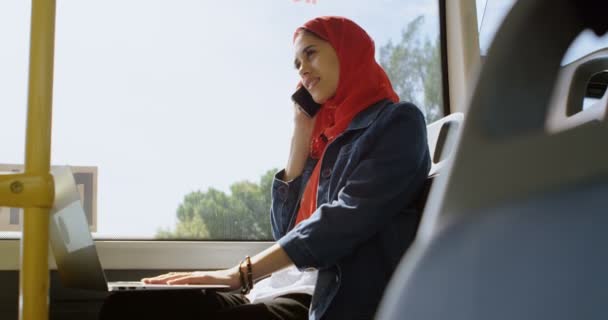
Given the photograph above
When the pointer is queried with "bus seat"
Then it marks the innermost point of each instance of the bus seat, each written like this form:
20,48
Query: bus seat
571,89
440,147
440,135
517,228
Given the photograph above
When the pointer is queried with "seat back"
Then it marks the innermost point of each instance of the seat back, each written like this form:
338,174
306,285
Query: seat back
515,229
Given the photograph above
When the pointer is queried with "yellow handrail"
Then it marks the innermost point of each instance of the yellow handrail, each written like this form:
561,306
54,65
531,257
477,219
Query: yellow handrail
26,190
34,276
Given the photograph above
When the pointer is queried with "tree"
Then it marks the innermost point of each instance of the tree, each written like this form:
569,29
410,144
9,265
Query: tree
414,68
244,214
193,228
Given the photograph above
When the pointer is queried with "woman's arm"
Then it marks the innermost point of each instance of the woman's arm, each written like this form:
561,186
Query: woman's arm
273,258
263,264
288,184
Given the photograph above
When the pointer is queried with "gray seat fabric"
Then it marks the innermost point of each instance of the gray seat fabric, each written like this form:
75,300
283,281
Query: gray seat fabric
515,262
518,228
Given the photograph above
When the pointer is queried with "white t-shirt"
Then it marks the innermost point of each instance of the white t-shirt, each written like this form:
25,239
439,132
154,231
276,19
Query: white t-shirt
286,281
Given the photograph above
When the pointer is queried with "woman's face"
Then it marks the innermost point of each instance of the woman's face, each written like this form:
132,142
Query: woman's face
318,66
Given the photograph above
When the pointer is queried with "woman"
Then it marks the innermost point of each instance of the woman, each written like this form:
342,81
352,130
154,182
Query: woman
342,209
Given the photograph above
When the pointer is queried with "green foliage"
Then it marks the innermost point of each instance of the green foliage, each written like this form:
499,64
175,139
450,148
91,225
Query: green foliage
414,68
193,228
244,214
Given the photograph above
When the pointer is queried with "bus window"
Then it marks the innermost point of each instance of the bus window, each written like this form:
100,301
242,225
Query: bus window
14,34
490,14
178,113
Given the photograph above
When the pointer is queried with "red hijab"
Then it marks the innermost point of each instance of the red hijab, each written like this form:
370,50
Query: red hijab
362,82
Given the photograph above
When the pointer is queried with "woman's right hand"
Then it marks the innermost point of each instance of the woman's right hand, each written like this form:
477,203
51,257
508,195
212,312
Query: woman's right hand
300,143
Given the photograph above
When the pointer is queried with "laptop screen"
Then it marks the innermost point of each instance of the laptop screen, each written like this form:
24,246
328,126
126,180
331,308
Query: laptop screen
77,261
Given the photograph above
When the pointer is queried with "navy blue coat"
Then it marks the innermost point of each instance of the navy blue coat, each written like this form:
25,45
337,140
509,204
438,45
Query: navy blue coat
366,217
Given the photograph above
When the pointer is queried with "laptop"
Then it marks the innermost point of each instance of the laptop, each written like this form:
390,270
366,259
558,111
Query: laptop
75,253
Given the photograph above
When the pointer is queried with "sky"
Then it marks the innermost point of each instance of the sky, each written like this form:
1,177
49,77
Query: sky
174,96
169,97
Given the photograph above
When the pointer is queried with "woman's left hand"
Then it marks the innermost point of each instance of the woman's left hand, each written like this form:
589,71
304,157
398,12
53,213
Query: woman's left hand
228,277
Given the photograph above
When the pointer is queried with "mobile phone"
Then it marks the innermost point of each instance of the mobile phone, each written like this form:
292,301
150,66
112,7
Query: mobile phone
303,98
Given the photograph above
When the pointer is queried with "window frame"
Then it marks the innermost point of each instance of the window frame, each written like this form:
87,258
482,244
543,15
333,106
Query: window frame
153,254
445,84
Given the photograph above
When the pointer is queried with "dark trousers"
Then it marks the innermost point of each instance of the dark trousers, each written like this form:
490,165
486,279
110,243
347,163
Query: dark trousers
199,305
